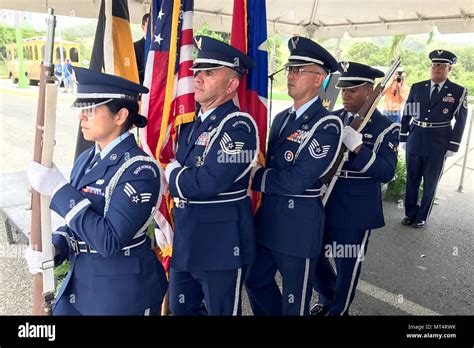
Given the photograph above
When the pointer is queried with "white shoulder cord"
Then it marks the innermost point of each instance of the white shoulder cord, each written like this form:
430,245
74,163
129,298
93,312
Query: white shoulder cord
216,132
116,178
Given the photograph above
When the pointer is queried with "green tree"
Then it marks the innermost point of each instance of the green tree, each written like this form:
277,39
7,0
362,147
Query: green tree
368,53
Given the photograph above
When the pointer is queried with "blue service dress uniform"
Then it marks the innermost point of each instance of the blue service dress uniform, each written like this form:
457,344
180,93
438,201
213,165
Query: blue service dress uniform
214,237
429,134
353,209
113,269
291,217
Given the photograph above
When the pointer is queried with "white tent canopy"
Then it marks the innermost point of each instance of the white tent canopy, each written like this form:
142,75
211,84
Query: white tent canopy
312,18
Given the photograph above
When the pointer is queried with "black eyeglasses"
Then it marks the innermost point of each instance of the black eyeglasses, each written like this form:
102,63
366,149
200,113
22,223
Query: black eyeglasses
297,70
439,65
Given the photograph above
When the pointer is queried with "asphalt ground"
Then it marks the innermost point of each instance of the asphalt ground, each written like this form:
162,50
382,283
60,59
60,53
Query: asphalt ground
406,271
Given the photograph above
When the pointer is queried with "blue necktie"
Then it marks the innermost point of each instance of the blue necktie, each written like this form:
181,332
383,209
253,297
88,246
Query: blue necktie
94,161
348,119
435,91
289,123
196,125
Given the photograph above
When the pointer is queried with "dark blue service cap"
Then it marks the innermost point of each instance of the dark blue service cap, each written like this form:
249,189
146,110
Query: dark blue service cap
95,88
443,56
304,51
94,85
356,74
213,54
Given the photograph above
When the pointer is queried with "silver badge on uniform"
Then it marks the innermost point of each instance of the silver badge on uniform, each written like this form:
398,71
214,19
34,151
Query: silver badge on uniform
445,111
113,157
212,118
305,117
305,127
199,161
289,156
368,136
100,181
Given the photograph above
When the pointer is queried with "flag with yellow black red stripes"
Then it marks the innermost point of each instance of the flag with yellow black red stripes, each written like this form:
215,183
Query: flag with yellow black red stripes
113,51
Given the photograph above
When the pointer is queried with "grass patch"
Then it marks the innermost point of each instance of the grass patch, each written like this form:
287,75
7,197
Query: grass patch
60,273
280,96
3,70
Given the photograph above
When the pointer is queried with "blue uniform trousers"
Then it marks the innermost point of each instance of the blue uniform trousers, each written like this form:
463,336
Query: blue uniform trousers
220,291
265,296
65,307
428,168
338,290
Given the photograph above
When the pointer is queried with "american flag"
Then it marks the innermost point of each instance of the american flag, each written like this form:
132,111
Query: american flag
170,101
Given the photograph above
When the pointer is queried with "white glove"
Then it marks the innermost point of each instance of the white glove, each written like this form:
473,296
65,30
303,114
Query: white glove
351,138
450,153
403,146
46,181
170,167
34,259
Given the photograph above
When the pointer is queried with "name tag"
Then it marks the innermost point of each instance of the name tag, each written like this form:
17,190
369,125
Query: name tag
297,136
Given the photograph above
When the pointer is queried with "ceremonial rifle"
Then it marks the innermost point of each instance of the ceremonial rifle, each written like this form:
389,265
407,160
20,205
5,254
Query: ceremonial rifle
359,122
41,234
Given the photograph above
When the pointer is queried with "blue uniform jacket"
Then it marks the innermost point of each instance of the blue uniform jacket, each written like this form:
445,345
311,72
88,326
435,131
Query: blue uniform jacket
355,202
291,217
111,281
451,102
214,228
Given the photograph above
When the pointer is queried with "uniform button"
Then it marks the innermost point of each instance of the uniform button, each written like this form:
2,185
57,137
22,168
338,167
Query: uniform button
429,110
426,119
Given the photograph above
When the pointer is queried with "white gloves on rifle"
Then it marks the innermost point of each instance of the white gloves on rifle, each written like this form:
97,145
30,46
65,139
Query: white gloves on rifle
46,181
34,259
170,167
351,138
450,153
403,146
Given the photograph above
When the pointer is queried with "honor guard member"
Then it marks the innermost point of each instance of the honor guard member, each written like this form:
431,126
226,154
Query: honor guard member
428,135
354,206
214,237
302,146
107,207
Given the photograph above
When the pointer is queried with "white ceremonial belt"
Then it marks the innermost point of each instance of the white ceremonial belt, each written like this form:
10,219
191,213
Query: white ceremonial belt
432,124
80,246
224,197
347,174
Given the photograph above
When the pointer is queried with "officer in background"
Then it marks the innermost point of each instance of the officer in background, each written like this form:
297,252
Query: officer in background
107,207
303,142
214,237
140,49
429,138
354,206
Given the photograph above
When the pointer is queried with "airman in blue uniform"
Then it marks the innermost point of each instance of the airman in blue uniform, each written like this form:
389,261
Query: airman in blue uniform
302,145
107,207
429,136
214,237
354,207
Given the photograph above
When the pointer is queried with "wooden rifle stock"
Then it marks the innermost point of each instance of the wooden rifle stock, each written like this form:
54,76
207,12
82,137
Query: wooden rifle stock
359,122
46,76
